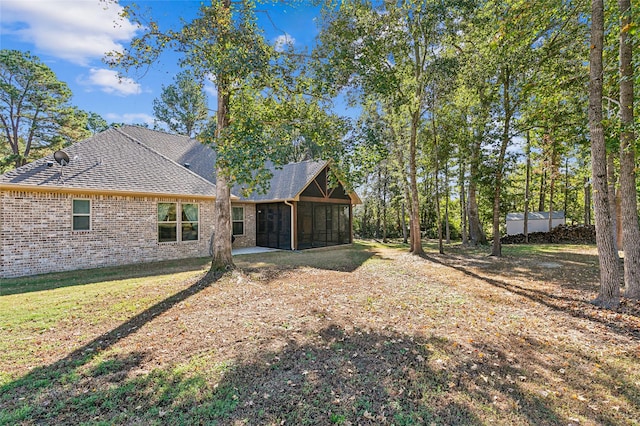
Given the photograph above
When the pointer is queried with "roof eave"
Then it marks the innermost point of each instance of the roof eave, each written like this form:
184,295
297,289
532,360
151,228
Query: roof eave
96,191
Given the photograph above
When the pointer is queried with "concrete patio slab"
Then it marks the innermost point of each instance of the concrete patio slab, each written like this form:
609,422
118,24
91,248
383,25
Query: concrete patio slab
251,250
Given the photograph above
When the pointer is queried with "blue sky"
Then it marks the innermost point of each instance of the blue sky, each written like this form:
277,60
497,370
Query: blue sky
71,37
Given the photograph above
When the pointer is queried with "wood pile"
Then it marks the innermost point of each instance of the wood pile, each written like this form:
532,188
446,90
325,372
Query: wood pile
572,234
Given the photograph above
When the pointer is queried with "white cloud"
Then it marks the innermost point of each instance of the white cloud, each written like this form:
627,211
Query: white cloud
75,30
130,118
108,81
282,41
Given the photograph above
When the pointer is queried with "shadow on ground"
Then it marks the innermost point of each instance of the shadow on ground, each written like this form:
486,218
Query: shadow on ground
354,377
55,280
44,384
578,307
346,258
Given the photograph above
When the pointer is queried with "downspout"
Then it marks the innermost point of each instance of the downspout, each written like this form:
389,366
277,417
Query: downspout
287,203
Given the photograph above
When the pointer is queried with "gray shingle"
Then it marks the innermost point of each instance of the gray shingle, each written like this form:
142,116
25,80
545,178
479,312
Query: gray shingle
136,159
112,161
286,184
289,181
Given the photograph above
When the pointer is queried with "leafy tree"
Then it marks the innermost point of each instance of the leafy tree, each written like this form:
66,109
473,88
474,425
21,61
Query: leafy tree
182,106
96,124
259,94
35,113
390,51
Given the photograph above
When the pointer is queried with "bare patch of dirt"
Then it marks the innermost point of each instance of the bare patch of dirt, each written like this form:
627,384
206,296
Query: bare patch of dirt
362,335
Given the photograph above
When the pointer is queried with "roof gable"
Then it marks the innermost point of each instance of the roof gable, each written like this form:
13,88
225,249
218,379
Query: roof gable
288,181
136,159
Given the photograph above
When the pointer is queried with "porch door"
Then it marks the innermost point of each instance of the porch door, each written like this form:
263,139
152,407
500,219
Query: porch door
273,225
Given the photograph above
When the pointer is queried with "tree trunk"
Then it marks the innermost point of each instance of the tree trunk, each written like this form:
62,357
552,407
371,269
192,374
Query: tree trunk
438,215
543,181
496,249
566,185
384,205
463,204
587,201
222,258
611,183
609,295
447,227
416,237
627,158
552,182
379,208
435,181
476,234
404,225
527,183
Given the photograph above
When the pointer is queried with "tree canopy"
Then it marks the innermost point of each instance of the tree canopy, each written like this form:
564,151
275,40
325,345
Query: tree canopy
35,110
182,106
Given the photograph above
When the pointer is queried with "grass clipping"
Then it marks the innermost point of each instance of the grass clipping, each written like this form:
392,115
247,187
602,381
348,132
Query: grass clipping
364,334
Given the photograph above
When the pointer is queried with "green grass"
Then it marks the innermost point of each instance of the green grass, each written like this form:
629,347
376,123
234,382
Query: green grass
352,335
87,276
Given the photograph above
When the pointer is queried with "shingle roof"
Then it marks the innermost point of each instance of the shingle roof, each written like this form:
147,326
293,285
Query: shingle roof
181,149
136,159
288,181
112,161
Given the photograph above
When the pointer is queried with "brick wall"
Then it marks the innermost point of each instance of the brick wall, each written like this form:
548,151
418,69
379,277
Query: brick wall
36,235
249,237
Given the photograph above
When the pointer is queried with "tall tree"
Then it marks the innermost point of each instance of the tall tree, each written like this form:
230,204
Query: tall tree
631,232
506,45
389,51
182,106
34,107
260,99
609,295
223,41
96,124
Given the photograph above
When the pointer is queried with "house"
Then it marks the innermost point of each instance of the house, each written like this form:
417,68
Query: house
130,195
536,222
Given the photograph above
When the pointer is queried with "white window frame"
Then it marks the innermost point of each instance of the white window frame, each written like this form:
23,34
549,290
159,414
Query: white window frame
243,221
74,214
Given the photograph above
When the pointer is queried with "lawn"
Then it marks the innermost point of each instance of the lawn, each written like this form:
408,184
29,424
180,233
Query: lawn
359,335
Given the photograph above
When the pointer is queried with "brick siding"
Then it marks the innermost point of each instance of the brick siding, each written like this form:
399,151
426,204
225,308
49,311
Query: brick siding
249,237
36,235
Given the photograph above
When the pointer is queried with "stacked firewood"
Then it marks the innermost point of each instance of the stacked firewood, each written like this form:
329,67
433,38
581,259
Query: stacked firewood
572,234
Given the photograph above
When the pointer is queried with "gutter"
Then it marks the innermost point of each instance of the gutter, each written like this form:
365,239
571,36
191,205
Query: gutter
93,191
286,202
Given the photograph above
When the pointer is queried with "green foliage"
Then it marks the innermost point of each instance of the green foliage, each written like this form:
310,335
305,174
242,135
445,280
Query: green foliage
266,109
182,106
96,124
35,114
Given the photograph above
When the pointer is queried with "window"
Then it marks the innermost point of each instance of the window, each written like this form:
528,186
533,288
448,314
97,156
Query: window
173,227
167,222
81,215
189,222
237,220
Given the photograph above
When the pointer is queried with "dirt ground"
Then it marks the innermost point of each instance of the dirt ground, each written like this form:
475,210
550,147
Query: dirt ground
363,335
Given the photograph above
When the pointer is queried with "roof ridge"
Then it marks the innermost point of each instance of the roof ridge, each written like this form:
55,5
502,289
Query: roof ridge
139,142
164,132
